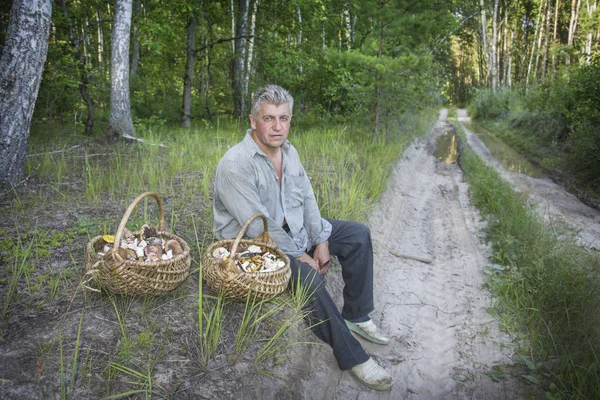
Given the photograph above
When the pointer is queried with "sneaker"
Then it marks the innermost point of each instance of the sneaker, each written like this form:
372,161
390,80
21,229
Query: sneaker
369,331
372,375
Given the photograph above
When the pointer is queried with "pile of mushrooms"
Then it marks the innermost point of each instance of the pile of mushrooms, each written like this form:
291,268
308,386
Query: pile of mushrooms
252,259
147,248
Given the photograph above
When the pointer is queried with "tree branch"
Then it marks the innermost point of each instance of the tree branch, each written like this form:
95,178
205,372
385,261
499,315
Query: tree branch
223,40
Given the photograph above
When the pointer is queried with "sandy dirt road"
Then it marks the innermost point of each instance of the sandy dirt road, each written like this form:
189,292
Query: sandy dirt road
428,293
552,202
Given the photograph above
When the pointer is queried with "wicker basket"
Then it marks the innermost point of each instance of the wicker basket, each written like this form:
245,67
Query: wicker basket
131,277
226,278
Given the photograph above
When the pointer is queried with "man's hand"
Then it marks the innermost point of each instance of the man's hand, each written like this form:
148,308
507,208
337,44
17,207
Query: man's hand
322,257
310,261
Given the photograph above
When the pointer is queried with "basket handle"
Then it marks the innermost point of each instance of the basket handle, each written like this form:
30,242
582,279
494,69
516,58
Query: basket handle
264,237
161,220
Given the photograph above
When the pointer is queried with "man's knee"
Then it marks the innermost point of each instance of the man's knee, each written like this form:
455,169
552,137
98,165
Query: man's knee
362,234
306,277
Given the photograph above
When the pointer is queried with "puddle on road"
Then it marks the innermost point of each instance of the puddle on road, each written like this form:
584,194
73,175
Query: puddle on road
445,148
511,160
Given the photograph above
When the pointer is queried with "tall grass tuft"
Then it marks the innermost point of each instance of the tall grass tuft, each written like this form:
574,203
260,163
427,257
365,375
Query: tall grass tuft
549,285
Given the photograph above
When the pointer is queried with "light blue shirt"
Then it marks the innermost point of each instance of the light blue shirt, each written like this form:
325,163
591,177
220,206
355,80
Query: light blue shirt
246,183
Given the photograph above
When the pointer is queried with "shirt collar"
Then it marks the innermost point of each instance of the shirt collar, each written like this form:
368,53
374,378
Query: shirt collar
251,145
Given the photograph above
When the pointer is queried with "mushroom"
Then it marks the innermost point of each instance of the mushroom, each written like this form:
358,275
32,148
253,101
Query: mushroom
174,246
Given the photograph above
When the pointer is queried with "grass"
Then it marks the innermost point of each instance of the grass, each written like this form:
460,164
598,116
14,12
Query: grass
80,192
548,288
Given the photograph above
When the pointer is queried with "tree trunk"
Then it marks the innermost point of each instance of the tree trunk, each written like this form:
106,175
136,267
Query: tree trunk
100,40
484,38
510,60
378,86
135,51
120,122
504,58
533,48
81,61
554,43
239,97
546,36
21,67
494,66
250,47
348,25
299,38
188,76
232,26
539,44
590,36
575,6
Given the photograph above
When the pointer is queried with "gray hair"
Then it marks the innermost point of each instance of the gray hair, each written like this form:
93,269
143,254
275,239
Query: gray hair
271,94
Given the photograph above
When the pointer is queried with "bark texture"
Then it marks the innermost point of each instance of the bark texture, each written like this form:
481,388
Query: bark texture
121,124
21,67
239,59
81,61
189,71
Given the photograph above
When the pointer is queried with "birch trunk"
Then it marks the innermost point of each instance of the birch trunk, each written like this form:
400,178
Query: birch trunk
120,122
378,86
188,76
590,36
575,7
240,59
21,67
510,60
486,52
505,50
494,60
537,28
299,38
348,25
539,44
100,40
546,36
250,47
554,43
232,27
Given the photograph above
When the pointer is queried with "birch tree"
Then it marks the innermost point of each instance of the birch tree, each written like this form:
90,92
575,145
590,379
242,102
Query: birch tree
250,47
575,7
484,37
239,97
120,122
21,67
493,53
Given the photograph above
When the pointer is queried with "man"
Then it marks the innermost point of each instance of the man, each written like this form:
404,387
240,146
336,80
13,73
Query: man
263,174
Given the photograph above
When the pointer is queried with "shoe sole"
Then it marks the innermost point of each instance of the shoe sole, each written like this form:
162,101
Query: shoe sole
381,388
358,330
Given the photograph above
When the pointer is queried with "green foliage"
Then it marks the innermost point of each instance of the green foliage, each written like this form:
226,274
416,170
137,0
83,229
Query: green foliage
561,116
486,104
584,122
544,282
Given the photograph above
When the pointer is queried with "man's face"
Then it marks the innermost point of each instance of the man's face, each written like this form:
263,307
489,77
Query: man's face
271,126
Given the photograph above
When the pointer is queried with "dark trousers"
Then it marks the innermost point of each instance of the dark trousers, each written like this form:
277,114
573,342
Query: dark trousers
351,242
